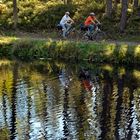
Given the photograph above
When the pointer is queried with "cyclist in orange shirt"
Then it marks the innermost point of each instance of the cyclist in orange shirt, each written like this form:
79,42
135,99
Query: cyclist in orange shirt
91,22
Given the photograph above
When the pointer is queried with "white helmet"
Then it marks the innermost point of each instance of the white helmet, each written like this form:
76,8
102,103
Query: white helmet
67,13
92,14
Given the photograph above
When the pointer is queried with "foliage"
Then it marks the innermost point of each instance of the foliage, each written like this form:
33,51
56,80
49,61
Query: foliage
71,51
45,14
35,14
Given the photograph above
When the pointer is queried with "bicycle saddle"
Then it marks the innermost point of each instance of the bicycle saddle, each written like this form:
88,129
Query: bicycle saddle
83,27
59,27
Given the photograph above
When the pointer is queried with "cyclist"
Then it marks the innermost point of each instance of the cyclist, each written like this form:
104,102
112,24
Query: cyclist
90,22
66,23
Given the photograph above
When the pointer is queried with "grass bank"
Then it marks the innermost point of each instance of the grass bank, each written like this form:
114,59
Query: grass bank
30,49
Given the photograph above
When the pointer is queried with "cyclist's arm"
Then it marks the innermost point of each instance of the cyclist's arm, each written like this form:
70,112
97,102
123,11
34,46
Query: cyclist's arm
93,21
71,20
97,21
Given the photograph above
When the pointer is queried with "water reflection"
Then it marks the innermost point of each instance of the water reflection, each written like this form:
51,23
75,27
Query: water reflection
57,101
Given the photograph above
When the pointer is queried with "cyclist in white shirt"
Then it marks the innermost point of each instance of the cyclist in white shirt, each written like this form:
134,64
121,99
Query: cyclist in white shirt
66,23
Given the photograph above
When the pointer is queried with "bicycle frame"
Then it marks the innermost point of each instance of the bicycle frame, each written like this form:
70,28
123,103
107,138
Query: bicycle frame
60,30
97,34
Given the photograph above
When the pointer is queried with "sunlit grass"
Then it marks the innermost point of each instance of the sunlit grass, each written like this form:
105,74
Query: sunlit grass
122,71
5,62
137,51
107,67
7,40
136,74
123,50
109,49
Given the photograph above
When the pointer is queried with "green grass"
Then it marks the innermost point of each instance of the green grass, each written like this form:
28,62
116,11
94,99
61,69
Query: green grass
129,38
30,49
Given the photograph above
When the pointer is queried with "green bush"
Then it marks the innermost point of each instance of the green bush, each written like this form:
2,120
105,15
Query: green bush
71,51
35,15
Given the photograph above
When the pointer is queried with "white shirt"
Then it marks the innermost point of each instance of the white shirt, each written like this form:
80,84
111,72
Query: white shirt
64,19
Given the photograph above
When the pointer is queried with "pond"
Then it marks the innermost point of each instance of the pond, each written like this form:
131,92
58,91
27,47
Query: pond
64,101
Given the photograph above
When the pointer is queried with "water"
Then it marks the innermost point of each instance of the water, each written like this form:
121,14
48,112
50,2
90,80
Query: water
58,101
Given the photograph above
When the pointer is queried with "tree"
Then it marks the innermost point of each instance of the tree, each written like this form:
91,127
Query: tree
131,1
67,1
108,8
115,4
14,101
136,4
123,15
15,17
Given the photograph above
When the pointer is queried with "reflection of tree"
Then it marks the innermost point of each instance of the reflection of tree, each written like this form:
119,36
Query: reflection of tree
105,116
65,114
130,114
124,119
132,87
80,115
70,112
81,111
13,107
136,114
64,80
5,100
119,105
28,110
44,110
4,104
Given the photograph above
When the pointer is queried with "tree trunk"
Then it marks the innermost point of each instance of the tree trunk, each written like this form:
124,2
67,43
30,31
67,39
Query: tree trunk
131,1
15,18
65,1
136,4
69,1
123,15
116,4
108,8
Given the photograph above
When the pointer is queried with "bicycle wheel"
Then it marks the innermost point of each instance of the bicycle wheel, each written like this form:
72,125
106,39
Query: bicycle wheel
59,33
85,36
71,33
100,36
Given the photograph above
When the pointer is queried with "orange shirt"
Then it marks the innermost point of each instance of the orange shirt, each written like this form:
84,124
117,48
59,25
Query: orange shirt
87,85
89,20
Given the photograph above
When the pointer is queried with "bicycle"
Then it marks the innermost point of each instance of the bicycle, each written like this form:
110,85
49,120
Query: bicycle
97,35
69,33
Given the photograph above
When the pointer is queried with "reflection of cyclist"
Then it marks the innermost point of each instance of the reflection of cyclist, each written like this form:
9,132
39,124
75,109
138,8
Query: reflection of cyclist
91,22
64,79
66,23
85,77
87,85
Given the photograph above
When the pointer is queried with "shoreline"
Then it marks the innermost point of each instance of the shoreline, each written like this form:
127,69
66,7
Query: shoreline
70,50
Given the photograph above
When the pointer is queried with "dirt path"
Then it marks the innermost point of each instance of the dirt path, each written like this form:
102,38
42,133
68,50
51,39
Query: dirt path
46,36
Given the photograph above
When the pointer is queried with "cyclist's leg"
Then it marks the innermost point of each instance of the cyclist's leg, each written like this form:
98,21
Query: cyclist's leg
64,29
91,28
68,26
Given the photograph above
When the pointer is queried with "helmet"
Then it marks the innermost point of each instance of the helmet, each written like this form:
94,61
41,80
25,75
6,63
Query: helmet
67,13
92,14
